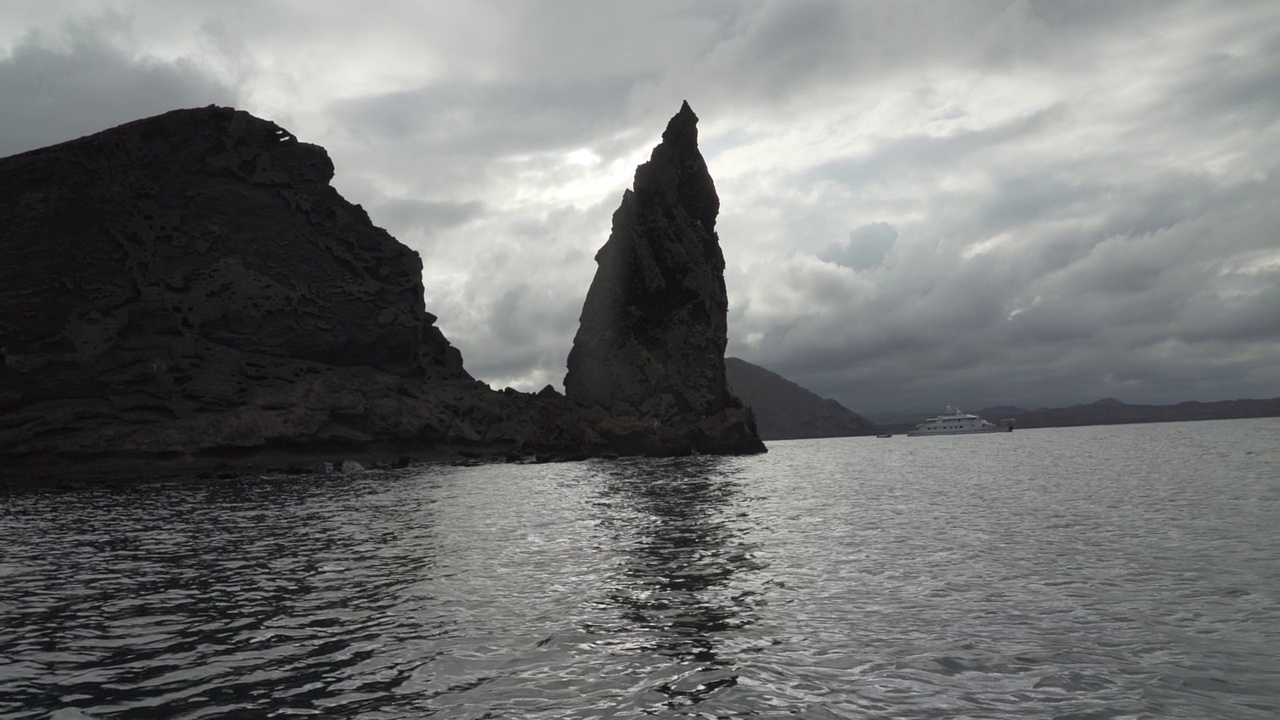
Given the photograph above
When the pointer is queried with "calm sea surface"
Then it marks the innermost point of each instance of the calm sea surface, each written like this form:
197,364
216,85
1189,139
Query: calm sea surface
1103,572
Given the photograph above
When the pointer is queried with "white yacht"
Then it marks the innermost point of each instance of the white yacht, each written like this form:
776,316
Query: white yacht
956,422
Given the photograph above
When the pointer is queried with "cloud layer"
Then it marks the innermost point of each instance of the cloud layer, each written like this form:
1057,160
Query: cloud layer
922,204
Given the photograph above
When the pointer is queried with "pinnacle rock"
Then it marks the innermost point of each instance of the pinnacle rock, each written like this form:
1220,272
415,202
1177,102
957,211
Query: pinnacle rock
653,329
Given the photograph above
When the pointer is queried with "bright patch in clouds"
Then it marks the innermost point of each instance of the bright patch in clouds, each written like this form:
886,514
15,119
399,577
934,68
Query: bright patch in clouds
583,157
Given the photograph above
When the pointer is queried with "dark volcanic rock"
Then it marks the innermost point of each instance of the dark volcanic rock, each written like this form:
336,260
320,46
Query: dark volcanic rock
191,281
785,411
652,336
206,225
187,292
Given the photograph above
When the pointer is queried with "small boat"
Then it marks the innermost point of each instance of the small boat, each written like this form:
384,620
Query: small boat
885,435
957,422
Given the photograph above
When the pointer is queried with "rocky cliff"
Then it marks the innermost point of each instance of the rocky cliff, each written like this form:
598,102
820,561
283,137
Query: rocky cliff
191,283
653,329
188,291
786,411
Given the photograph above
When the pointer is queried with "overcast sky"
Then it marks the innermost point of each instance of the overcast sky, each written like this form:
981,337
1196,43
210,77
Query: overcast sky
922,203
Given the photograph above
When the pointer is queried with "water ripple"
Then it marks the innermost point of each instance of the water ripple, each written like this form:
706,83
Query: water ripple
1083,573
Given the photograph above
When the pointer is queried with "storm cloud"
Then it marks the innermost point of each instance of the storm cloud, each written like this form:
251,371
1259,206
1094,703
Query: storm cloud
1031,203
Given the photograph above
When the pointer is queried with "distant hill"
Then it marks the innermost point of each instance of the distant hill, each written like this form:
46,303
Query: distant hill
786,411
1107,411
1110,411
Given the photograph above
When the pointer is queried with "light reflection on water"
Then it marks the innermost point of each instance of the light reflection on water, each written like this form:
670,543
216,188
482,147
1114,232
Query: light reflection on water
1087,572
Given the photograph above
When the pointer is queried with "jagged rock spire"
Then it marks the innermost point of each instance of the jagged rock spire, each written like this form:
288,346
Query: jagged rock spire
653,329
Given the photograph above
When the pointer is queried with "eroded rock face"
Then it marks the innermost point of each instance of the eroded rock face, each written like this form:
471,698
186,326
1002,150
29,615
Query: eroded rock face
205,224
192,281
653,329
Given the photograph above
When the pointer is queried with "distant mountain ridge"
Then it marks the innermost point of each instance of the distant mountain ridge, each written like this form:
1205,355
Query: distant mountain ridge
786,411
1107,411
1110,411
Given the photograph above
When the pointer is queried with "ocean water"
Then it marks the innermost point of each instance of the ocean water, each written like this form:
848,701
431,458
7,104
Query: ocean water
1101,572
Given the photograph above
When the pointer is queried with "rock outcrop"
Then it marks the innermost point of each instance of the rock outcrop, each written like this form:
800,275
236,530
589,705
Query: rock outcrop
787,411
191,282
653,330
187,292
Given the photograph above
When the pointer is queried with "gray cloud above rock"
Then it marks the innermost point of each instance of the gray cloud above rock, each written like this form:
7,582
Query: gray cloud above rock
865,248
58,91
406,216
979,203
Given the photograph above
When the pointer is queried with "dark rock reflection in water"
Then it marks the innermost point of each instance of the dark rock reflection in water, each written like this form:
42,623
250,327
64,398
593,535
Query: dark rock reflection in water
1123,572
686,538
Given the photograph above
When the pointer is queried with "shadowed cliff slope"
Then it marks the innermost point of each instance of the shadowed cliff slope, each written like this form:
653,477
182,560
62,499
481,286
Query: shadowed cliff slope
201,226
191,283
786,411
